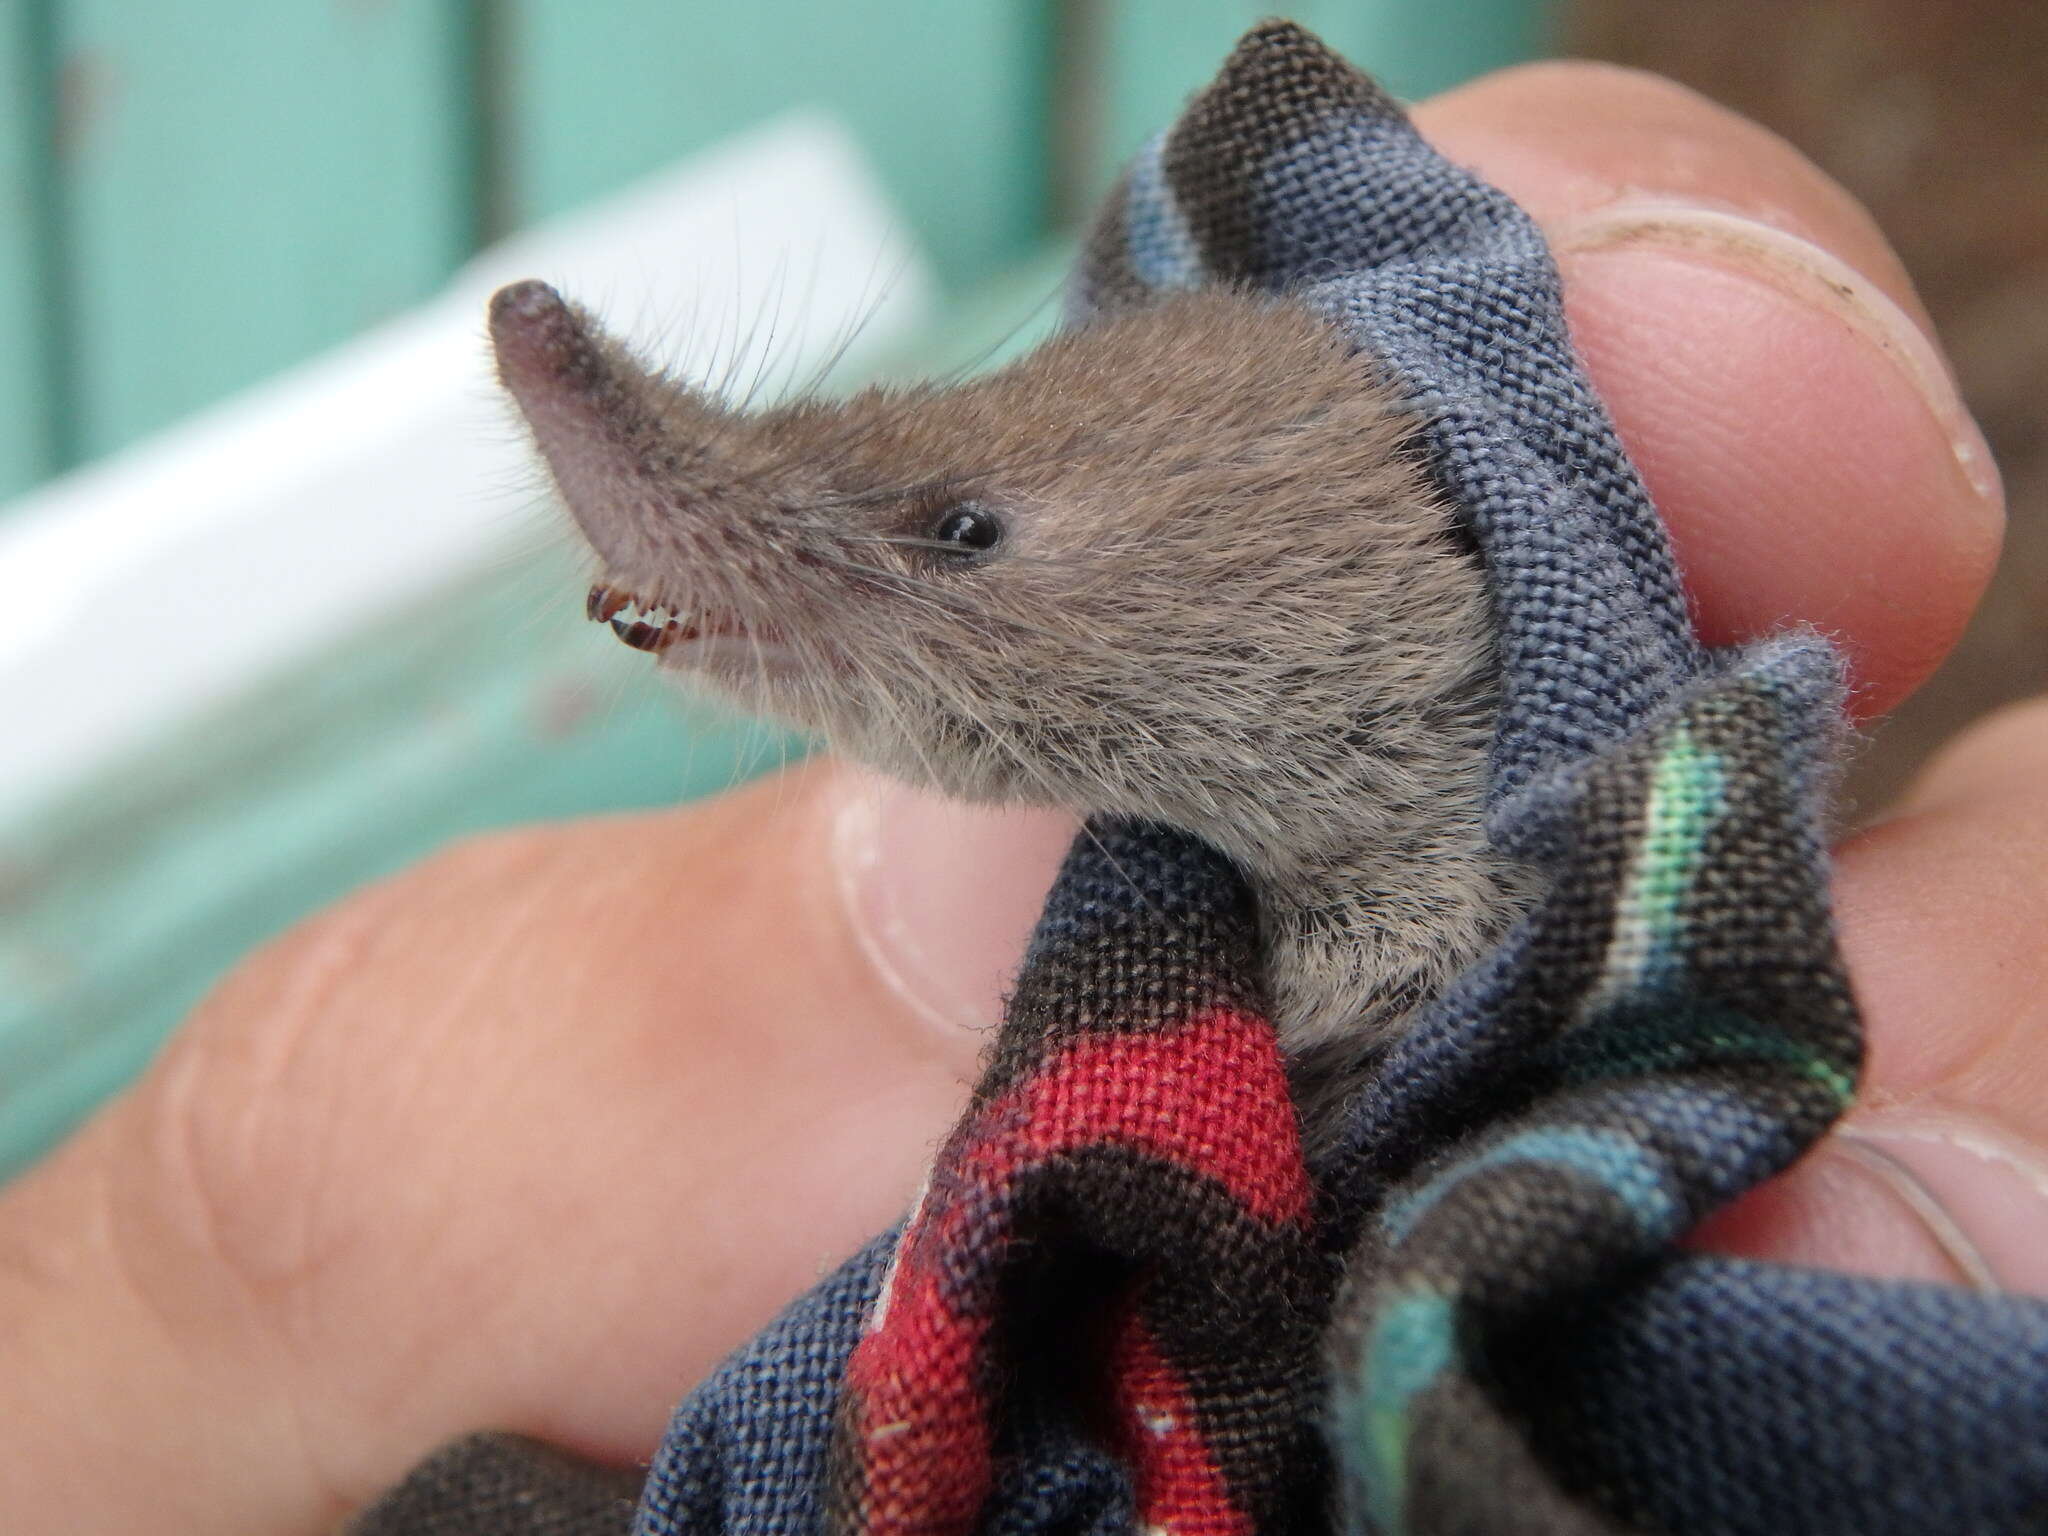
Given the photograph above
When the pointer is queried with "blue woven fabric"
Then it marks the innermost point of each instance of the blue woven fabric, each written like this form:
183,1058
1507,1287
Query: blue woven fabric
1753,1400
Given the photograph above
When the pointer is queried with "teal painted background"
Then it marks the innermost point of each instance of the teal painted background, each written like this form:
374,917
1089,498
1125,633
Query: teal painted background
196,193
237,194
33,389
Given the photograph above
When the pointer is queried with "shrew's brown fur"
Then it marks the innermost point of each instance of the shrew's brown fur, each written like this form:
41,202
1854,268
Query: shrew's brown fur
1224,596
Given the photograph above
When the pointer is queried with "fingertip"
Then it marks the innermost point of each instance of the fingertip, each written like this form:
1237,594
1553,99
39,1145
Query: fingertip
1565,137
940,896
1799,463
2004,753
1834,1211
1763,355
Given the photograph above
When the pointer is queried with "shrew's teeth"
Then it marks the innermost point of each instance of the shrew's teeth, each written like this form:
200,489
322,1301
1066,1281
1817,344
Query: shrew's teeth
605,601
642,637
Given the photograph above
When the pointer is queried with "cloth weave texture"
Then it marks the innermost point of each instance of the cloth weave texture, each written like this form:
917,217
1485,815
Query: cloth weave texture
1124,1303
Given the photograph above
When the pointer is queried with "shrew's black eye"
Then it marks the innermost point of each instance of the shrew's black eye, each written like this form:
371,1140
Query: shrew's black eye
967,528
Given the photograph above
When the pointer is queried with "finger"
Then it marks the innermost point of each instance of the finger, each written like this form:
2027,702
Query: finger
1569,139
1942,1170
1763,358
534,1134
121,1415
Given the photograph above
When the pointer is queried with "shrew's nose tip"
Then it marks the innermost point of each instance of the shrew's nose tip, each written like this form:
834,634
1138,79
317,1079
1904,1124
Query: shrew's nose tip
524,303
529,320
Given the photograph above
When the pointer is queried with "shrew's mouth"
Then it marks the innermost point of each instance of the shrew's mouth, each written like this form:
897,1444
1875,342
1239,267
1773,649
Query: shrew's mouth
643,625
658,627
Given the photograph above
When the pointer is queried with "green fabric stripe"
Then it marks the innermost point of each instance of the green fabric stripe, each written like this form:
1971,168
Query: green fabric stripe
1627,1169
1685,1034
1686,797
1411,1347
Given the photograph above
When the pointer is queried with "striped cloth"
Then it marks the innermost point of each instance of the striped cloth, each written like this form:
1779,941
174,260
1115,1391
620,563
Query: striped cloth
1118,1243
1123,1304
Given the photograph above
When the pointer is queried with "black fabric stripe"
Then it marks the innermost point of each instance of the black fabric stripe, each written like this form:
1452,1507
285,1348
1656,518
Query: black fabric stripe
1145,928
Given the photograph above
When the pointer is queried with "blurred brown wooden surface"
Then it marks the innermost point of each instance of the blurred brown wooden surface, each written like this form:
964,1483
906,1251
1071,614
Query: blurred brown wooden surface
1935,114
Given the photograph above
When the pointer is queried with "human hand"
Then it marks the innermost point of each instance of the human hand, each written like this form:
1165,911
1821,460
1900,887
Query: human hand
530,1135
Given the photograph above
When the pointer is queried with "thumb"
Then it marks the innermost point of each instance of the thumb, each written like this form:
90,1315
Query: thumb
526,1137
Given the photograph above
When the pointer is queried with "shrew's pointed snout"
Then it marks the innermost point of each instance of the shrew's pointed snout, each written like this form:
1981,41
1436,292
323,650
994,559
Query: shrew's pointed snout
625,447
530,325
549,355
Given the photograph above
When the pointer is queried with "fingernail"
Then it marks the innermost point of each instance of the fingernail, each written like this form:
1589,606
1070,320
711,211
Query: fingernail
1980,1190
1807,272
941,896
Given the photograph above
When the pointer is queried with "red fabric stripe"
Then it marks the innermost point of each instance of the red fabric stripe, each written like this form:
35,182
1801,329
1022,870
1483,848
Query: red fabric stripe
919,1422
1176,1481
917,1413
1210,1096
